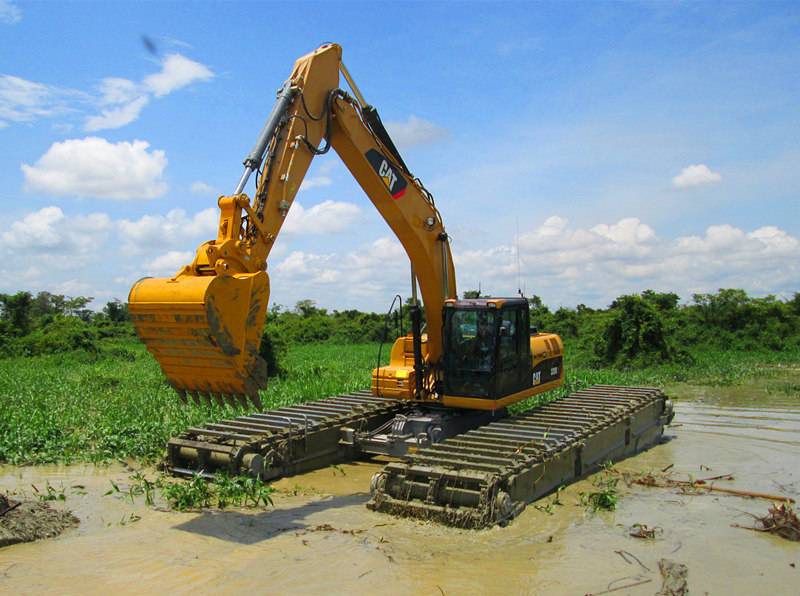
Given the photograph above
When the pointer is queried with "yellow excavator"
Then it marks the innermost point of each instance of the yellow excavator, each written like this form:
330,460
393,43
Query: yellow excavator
455,377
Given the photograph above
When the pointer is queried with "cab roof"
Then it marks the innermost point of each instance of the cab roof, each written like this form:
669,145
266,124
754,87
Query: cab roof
486,302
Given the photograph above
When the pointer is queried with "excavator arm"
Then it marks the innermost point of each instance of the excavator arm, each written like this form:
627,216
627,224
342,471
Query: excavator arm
204,324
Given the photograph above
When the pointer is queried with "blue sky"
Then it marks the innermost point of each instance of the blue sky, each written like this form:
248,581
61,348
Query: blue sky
588,149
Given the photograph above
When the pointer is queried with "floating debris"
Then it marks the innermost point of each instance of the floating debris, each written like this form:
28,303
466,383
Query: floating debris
644,531
675,578
703,485
781,520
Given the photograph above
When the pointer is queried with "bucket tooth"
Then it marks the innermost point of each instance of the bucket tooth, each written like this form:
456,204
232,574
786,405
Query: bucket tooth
196,398
255,398
234,400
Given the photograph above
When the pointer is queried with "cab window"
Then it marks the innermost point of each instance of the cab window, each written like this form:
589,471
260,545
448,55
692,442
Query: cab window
472,339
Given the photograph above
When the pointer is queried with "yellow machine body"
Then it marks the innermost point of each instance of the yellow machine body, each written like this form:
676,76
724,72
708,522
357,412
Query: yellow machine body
398,379
547,351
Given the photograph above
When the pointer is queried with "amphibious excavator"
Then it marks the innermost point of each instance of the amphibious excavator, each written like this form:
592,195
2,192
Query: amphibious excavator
440,405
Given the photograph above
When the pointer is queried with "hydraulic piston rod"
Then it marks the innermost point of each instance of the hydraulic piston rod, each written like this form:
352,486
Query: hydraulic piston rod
253,160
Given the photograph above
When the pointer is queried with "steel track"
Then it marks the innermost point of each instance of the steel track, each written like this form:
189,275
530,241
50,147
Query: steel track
474,479
488,475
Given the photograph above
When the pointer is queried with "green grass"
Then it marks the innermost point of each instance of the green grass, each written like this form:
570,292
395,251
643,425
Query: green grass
115,404
604,496
223,491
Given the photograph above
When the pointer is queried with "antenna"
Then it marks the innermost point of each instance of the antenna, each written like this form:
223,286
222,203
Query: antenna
519,270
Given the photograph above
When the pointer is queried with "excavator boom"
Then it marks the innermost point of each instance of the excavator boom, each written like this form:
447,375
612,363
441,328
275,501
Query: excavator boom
203,325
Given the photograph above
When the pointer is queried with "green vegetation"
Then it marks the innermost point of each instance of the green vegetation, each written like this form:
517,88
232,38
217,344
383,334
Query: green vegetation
115,403
53,324
653,328
196,493
636,335
49,493
79,386
604,496
307,323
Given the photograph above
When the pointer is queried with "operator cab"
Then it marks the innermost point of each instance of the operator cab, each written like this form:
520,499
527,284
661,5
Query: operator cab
487,350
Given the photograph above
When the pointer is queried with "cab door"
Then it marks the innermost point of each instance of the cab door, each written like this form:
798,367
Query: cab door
513,351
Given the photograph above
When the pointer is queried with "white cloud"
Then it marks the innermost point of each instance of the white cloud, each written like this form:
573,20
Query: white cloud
174,228
117,117
416,131
774,240
315,182
563,245
116,90
695,175
563,263
366,261
370,274
10,13
324,218
299,263
201,188
570,265
51,250
32,273
22,100
119,100
74,287
49,232
725,239
168,263
626,231
26,101
123,100
94,167
177,71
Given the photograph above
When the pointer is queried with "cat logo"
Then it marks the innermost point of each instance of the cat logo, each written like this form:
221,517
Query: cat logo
390,175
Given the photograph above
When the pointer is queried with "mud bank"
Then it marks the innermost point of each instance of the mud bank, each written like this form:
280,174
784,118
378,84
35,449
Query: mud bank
26,521
319,537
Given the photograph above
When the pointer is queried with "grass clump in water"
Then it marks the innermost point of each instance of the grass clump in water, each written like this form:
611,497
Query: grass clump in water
221,492
605,496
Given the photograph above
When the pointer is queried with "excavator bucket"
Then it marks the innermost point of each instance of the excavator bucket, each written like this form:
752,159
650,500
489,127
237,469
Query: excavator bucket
204,331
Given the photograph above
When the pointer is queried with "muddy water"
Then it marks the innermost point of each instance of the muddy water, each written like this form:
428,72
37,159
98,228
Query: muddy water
321,538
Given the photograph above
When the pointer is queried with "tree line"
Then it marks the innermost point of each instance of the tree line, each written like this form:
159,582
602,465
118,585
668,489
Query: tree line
636,329
47,323
654,327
